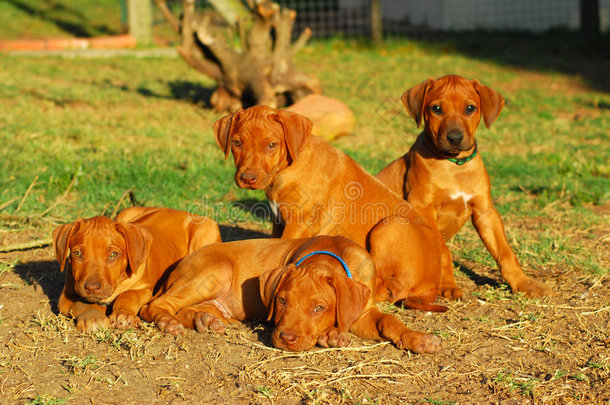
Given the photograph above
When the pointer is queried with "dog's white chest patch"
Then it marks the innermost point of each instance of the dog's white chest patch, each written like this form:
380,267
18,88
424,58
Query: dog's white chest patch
465,197
274,208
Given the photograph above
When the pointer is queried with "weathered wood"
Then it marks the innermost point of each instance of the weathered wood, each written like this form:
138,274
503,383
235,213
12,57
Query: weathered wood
376,22
260,69
301,41
282,52
173,21
230,10
139,14
26,246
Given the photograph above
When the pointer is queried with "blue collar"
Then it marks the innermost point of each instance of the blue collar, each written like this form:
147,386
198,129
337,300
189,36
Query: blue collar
324,252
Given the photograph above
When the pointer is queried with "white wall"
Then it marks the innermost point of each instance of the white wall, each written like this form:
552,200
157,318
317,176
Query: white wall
530,15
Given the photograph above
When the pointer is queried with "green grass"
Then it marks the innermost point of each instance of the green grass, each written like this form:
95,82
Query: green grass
524,385
265,391
46,399
431,401
103,127
79,365
59,18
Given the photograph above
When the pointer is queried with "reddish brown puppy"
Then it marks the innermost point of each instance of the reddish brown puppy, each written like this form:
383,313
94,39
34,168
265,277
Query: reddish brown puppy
443,175
316,189
115,265
315,291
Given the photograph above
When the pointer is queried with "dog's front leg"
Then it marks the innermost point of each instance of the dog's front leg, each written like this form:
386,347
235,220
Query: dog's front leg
126,307
89,317
374,324
488,224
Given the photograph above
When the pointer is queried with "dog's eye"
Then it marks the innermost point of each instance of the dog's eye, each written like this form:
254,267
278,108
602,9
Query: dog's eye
272,145
77,253
113,255
470,109
436,109
236,143
281,300
319,308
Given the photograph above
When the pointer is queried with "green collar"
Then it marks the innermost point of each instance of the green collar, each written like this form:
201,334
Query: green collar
462,161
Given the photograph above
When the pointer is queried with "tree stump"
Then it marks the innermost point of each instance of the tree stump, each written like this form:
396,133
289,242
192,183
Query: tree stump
247,51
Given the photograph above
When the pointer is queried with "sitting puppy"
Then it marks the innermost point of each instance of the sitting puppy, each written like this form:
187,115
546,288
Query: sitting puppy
315,189
118,263
443,175
315,290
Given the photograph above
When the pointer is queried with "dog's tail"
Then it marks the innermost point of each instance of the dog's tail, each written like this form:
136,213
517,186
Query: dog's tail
418,303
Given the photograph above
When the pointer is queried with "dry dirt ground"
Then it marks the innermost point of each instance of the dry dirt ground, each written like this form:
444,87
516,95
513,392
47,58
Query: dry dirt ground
497,348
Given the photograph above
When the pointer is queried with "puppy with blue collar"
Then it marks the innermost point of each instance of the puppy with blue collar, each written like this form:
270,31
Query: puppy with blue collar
314,291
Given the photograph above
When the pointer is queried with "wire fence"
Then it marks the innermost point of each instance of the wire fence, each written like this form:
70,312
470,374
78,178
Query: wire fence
411,17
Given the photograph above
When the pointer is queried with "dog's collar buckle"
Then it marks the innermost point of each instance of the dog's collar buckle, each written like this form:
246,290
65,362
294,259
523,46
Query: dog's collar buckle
324,252
463,161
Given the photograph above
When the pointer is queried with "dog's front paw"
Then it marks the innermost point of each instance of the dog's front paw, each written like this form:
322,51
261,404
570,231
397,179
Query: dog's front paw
334,338
169,324
451,291
534,289
124,320
92,320
419,342
205,321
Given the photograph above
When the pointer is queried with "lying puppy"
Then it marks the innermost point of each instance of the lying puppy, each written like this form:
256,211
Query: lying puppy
117,264
316,189
443,175
314,290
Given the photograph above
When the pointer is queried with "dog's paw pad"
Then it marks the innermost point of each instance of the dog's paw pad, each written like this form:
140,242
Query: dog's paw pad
169,324
534,289
452,292
419,342
124,320
90,321
334,338
205,321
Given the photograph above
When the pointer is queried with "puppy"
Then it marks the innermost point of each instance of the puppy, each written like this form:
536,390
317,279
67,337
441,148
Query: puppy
314,290
443,175
315,189
115,265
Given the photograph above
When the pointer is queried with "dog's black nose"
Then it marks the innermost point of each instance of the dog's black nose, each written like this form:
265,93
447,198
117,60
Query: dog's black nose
455,137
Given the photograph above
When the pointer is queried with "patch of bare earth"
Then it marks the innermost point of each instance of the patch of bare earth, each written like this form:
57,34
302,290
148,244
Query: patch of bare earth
497,348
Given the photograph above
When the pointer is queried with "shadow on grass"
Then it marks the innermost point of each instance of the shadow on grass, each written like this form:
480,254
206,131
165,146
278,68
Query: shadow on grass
192,92
66,18
261,210
557,50
234,233
477,278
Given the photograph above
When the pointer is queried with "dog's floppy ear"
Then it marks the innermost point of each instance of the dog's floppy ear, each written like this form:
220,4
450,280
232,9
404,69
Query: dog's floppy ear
61,241
491,102
222,131
297,130
269,284
414,100
362,262
352,298
137,242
